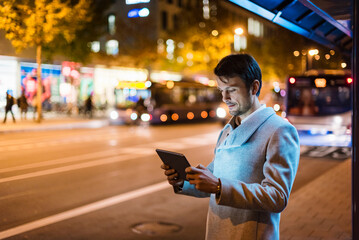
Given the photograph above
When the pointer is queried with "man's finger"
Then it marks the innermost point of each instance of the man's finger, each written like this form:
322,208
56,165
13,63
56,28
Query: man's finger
193,170
192,181
191,176
165,167
200,166
170,172
173,176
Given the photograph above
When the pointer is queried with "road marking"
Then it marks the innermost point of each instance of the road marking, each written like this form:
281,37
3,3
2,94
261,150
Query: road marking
77,158
83,210
15,195
177,144
321,151
71,167
43,141
129,153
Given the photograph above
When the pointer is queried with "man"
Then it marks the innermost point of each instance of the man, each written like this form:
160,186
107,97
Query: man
89,106
255,163
10,101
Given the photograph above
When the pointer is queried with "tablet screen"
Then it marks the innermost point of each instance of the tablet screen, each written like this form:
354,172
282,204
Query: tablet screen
175,160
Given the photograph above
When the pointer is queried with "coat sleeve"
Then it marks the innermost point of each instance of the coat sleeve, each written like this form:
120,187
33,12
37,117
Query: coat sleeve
189,189
279,170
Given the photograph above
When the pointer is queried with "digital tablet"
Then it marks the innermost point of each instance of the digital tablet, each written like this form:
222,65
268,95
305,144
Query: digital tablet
175,160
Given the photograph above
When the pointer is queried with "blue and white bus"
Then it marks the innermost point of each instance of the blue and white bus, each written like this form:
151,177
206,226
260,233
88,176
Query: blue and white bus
318,104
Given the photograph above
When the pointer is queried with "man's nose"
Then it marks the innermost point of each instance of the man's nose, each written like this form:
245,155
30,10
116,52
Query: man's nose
225,96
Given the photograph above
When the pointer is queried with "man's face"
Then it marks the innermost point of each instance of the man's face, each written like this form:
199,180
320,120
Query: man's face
236,95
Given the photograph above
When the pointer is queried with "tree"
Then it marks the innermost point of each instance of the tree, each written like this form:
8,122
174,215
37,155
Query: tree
201,43
38,23
79,49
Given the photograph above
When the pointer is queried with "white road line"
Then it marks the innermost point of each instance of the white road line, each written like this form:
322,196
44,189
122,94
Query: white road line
43,141
129,153
15,195
178,144
98,162
83,210
86,156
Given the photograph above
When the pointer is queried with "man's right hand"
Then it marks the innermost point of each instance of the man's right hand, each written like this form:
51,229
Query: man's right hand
172,176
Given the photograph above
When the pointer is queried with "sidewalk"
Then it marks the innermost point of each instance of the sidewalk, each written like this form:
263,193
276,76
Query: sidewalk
320,210
52,121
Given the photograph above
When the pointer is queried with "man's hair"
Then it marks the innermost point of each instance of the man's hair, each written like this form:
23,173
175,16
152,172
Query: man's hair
240,65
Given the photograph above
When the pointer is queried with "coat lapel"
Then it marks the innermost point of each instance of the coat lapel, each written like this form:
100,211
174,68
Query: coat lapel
246,130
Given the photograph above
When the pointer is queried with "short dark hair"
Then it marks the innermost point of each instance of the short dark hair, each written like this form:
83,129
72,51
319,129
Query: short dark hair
242,65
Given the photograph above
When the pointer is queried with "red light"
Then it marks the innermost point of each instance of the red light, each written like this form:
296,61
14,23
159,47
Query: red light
349,80
292,80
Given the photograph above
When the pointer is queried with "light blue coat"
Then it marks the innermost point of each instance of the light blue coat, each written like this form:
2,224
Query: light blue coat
256,164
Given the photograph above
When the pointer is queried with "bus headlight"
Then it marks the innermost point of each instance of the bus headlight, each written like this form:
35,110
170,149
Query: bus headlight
145,117
221,112
133,116
337,120
114,115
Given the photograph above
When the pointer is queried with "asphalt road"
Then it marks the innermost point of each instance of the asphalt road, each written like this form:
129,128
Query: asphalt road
107,183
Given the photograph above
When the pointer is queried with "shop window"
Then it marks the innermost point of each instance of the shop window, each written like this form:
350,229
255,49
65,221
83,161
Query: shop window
95,46
112,47
255,27
112,24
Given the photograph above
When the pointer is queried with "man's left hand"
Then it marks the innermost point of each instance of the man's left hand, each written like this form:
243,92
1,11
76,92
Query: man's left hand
202,178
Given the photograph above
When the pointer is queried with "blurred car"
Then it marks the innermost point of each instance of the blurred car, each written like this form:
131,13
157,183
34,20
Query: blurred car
128,116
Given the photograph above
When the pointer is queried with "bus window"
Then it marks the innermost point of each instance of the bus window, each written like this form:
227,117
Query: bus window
308,100
303,104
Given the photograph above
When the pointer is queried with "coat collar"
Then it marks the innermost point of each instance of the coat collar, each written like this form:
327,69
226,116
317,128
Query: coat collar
244,131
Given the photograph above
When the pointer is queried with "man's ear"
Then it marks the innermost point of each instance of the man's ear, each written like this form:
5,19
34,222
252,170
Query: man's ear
255,87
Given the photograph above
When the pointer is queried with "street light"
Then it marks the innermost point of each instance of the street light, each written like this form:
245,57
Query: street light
240,42
307,58
311,53
238,31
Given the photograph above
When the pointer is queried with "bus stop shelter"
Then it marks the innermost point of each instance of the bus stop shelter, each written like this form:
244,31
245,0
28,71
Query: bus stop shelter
331,23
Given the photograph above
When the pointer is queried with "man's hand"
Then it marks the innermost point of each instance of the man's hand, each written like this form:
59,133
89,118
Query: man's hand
172,176
204,180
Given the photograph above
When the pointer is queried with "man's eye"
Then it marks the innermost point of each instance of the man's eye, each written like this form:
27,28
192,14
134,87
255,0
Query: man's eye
231,90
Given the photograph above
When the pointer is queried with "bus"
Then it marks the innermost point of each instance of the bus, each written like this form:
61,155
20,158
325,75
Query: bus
166,102
318,104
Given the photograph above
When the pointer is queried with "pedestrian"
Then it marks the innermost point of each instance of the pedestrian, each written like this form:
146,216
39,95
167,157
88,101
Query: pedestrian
140,106
23,105
255,162
89,106
10,101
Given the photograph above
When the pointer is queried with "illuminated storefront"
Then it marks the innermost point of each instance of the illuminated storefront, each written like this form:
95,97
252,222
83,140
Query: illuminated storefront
8,73
51,79
71,83
87,83
107,80
162,76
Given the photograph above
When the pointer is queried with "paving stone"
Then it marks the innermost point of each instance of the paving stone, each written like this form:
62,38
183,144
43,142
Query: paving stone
321,209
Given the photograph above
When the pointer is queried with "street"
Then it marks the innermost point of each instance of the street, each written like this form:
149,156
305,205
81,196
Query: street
107,183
